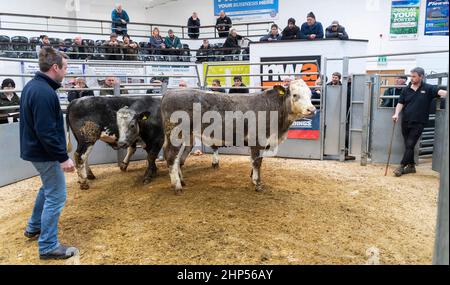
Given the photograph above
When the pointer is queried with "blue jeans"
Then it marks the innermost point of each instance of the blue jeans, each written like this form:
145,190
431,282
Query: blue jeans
49,203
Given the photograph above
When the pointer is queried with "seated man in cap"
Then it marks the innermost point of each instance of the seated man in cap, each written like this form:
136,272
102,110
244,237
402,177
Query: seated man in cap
336,31
291,31
311,29
113,48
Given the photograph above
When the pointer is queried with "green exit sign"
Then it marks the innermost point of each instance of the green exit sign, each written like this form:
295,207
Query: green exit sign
382,60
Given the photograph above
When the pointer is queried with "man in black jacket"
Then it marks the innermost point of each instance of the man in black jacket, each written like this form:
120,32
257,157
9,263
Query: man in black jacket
239,86
414,104
223,24
291,31
193,26
75,94
42,141
336,31
231,45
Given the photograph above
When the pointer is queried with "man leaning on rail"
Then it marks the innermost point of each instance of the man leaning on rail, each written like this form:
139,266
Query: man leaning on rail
414,104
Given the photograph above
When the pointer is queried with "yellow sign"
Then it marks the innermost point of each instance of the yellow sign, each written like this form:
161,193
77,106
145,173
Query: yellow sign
227,70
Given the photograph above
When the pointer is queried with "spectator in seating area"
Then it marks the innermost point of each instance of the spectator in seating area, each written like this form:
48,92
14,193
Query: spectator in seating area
394,91
274,35
239,84
109,82
204,52
43,42
62,47
8,99
129,48
75,94
291,31
113,48
172,43
157,42
120,20
223,24
311,29
231,45
77,50
193,26
335,79
336,31
216,87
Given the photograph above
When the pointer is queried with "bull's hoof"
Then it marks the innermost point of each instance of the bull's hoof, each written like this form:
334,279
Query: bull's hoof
178,191
91,176
259,188
215,165
123,166
84,186
146,180
183,183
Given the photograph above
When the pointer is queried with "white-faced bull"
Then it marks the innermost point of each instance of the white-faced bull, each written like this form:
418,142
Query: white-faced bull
259,121
121,122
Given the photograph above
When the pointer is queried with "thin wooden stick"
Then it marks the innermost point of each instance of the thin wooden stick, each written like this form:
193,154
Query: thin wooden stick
390,148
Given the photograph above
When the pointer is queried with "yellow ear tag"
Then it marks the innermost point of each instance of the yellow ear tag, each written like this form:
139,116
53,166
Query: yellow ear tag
281,93
144,118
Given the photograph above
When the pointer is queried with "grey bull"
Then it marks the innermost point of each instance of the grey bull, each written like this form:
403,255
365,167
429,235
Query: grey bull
187,113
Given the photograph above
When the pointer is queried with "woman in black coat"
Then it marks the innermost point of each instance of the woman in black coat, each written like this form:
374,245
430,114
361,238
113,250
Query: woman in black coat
75,94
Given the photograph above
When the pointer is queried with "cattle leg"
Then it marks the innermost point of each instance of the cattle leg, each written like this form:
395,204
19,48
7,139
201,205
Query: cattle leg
215,160
90,174
81,156
151,167
130,151
256,169
184,155
173,158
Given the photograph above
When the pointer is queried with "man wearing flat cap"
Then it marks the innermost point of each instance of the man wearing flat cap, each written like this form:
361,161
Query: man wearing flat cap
336,31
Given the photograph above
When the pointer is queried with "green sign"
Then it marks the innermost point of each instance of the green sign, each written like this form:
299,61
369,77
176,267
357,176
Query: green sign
382,60
404,23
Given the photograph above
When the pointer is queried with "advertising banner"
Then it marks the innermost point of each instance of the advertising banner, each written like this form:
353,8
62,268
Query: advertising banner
436,18
248,10
404,19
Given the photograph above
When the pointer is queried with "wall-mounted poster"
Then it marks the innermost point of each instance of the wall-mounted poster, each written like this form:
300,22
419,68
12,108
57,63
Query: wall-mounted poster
404,19
436,18
248,10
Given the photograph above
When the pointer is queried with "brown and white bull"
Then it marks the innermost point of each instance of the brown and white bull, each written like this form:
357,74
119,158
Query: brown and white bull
188,113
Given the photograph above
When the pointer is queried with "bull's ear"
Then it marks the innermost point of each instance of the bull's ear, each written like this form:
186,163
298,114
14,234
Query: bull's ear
281,90
144,116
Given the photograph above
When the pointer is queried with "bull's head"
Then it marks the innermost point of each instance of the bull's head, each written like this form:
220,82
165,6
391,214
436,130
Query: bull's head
299,96
128,123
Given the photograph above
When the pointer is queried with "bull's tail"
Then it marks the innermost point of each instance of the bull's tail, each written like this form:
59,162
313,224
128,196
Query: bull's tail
69,143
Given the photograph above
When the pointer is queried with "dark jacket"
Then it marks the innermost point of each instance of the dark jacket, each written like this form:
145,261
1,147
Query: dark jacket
270,36
130,53
204,53
339,34
193,28
238,90
42,136
15,101
290,34
76,50
231,45
114,52
391,102
75,94
307,30
223,26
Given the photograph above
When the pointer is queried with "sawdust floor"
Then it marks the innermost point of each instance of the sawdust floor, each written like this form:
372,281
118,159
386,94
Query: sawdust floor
312,212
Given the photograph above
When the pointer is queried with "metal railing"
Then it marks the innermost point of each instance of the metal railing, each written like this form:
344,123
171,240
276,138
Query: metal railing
51,24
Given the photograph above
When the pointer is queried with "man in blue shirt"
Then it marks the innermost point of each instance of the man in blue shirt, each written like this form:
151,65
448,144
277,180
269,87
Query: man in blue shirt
312,29
43,143
120,20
